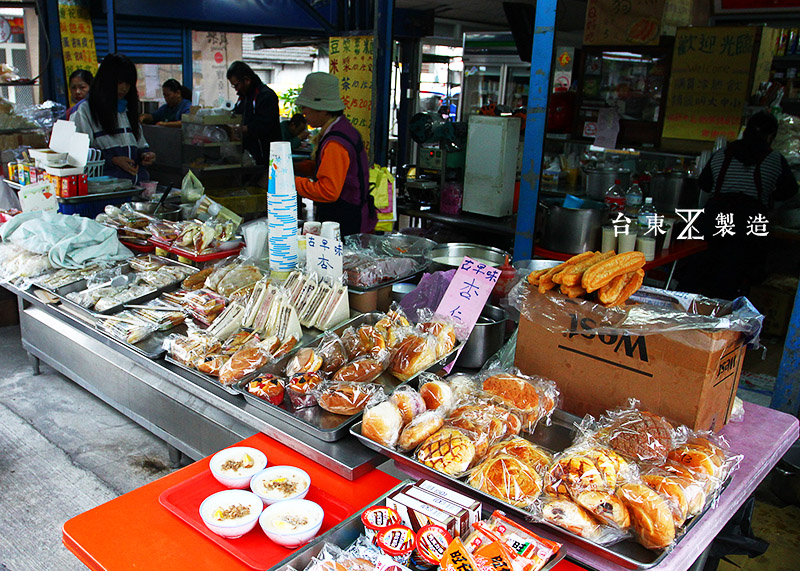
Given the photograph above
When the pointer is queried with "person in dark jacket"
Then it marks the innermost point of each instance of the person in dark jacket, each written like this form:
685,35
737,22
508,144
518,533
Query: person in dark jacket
740,185
340,187
258,105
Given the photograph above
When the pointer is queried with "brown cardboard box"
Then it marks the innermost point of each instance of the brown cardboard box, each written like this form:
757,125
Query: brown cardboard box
688,376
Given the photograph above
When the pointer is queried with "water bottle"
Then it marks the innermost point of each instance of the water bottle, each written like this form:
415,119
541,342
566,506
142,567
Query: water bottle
648,210
615,197
633,199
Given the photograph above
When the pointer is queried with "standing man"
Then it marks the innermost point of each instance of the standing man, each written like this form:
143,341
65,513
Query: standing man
258,105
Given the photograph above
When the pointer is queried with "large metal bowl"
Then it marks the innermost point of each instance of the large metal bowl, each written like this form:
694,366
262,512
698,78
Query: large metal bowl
166,212
486,338
448,256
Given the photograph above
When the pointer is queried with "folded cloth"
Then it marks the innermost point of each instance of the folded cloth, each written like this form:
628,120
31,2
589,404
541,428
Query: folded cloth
68,241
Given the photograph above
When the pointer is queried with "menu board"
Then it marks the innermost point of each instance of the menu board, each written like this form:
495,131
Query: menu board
623,22
709,83
77,36
351,61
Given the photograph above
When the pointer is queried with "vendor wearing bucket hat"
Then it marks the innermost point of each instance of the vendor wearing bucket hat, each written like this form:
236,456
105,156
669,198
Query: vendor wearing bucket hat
340,187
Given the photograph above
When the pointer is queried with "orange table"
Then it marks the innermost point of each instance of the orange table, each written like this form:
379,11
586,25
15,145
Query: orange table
134,531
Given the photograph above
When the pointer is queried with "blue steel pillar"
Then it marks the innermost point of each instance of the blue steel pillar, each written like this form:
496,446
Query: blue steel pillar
111,26
539,88
382,72
786,396
186,57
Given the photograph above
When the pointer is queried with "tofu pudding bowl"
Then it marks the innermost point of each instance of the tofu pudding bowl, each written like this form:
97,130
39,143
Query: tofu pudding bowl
234,467
291,523
280,483
231,513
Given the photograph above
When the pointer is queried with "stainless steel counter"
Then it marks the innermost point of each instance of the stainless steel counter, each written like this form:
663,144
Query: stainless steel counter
193,417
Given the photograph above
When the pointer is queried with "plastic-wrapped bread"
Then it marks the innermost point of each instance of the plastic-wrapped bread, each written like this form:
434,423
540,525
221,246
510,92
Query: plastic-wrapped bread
346,398
449,450
420,428
651,517
507,478
382,423
409,401
414,354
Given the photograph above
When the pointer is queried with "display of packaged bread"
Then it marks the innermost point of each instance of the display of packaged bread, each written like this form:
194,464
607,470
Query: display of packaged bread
608,277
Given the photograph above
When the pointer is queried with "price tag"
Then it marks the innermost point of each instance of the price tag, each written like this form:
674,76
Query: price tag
324,256
465,297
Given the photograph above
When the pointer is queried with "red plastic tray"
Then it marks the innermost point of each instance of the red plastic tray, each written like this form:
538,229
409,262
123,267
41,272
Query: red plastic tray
189,255
146,249
254,548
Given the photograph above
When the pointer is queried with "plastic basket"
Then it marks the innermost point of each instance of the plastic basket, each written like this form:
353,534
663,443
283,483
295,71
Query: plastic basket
243,201
94,168
91,208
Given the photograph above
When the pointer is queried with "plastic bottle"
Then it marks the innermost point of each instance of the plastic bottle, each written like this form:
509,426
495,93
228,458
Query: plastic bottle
615,197
648,210
633,199
503,284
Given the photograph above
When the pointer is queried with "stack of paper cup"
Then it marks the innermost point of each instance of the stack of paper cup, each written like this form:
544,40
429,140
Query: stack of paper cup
282,208
331,231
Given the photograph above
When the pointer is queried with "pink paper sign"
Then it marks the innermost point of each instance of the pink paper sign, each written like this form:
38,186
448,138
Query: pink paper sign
465,297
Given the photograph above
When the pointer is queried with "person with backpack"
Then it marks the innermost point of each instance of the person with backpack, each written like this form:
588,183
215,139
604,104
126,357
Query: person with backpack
340,185
740,186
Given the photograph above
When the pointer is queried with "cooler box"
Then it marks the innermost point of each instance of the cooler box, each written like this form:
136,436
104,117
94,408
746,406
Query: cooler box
683,364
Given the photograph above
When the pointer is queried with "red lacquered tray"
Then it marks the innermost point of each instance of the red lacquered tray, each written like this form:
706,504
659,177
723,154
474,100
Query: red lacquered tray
253,548
143,249
193,256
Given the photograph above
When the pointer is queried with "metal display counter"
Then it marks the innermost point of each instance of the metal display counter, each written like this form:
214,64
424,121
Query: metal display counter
192,417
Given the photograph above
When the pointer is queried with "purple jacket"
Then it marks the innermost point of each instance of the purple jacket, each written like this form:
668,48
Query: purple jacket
355,209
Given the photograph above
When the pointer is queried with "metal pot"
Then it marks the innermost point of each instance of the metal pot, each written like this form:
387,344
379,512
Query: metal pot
448,256
600,179
486,338
572,230
671,190
166,212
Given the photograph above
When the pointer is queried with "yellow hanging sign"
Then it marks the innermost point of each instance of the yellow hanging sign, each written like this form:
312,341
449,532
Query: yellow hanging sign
77,36
351,61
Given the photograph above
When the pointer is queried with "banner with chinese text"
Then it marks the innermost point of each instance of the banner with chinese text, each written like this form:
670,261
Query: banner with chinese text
351,62
709,83
623,22
77,36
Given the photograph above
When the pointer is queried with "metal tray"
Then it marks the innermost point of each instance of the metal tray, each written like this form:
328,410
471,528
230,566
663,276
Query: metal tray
153,346
127,193
315,420
91,314
309,335
410,277
557,437
348,531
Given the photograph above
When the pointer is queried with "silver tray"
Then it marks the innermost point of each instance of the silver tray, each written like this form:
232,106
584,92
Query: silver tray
153,346
309,335
348,531
91,314
557,437
315,420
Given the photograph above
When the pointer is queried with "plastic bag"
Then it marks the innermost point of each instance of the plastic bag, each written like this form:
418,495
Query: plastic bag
436,392
637,434
532,398
449,450
243,362
568,515
204,305
382,423
191,188
364,369
421,427
300,389
347,398
507,478
534,456
333,353
126,326
267,387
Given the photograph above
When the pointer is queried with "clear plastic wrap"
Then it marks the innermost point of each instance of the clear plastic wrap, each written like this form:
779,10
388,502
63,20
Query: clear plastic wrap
347,398
300,389
363,369
333,353
409,401
191,349
364,340
164,230
243,362
507,478
145,263
127,327
305,360
436,392
449,450
227,322
533,398
240,339
394,326
267,387
164,276
382,423
484,421
420,428
534,456
414,354
637,434
204,305
651,516
197,280
649,312
567,514
239,277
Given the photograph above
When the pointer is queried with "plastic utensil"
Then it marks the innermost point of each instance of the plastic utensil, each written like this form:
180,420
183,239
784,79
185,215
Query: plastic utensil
116,281
163,199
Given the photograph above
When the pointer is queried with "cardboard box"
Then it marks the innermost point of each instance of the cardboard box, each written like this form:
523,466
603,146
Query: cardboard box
416,514
688,376
473,506
463,524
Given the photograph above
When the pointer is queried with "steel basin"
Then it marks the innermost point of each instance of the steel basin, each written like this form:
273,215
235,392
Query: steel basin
572,230
486,338
448,256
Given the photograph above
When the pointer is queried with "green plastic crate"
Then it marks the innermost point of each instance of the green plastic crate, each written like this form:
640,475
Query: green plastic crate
244,201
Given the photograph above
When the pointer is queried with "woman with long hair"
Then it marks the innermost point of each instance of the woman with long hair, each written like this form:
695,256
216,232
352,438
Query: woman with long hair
111,119
178,101
80,81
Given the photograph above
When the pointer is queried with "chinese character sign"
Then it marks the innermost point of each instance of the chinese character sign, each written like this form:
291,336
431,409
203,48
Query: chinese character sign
623,22
351,61
77,36
324,256
709,83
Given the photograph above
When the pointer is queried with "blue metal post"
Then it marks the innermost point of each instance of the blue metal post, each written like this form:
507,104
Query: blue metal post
111,26
786,396
382,72
53,78
186,56
538,90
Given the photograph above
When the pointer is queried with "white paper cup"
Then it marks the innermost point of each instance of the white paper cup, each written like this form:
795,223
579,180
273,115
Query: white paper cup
331,231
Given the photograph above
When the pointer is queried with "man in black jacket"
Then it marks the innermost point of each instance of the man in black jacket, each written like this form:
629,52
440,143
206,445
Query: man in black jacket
258,105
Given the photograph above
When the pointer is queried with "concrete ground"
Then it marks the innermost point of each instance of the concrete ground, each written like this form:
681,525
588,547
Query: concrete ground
63,452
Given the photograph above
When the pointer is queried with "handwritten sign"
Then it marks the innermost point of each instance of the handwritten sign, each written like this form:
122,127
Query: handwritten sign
77,36
466,295
351,61
623,22
41,196
324,256
709,83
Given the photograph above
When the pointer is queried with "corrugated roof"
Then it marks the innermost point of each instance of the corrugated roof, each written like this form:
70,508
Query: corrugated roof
282,55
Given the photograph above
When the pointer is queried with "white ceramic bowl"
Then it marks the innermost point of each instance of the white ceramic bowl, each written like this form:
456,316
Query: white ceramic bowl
292,537
241,478
257,483
231,529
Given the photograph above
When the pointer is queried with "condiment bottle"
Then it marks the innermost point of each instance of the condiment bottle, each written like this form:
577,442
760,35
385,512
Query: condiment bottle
503,283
